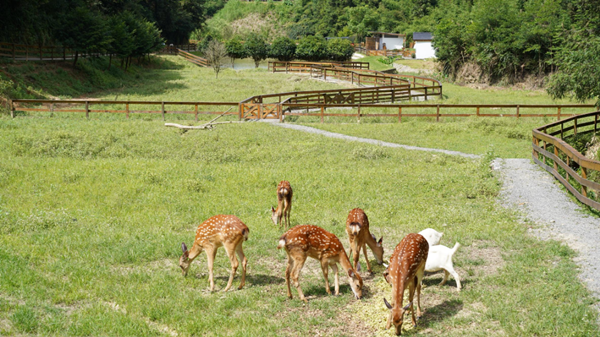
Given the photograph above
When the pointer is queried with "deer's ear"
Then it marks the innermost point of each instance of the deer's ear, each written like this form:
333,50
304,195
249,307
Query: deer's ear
272,209
380,241
387,304
351,273
407,306
183,247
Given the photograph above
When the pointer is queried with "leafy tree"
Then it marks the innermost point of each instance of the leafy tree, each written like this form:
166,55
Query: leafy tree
283,49
256,47
235,50
312,48
339,49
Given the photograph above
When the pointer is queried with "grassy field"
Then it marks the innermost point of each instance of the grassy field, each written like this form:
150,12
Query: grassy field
93,212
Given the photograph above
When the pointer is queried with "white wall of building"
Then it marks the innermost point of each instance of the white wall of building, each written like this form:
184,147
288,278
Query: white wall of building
391,42
424,50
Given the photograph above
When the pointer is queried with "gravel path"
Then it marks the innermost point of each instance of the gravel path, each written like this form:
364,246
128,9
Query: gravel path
372,141
535,192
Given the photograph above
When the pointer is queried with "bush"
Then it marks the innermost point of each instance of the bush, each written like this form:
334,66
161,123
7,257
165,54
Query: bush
339,49
283,49
235,50
312,48
256,47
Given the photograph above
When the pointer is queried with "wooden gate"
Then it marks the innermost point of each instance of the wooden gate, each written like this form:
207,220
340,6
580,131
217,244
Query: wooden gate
260,110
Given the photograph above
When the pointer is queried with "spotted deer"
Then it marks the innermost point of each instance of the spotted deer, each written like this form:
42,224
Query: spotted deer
305,241
220,230
407,266
284,204
357,227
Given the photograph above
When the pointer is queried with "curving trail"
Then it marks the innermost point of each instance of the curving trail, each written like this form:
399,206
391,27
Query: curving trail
535,193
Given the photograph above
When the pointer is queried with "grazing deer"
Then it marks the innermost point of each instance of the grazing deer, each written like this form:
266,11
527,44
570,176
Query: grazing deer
407,266
284,204
357,227
303,241
220,230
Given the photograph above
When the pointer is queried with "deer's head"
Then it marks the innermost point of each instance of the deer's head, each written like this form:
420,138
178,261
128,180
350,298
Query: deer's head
184,260
275,216
356,283
378,252
396,316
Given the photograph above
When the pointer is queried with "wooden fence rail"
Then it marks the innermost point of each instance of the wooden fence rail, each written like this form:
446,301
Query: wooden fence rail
197,60
565,163
29,52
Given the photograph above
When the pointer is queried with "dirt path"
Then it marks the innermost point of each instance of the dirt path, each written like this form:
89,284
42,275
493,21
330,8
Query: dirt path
536,194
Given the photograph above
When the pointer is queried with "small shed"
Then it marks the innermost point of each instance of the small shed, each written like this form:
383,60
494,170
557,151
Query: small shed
423,47
381,41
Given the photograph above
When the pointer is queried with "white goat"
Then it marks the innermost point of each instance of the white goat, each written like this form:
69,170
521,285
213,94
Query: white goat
440,257
432,236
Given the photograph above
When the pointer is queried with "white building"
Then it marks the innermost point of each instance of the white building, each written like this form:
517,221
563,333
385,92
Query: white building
423,47
378,40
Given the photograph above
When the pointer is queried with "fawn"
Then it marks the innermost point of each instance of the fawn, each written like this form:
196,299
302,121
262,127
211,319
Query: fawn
284,204
220,230
357,227
303,241
407,266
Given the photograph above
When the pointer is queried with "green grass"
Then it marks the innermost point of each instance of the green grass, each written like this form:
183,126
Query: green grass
92,214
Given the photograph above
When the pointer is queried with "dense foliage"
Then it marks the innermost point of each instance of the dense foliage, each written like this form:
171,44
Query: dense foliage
256,48
312,48
45,22
283,49
339,49
235,50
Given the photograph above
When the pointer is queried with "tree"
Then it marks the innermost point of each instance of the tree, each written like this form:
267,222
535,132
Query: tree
256,47
339,49
235,50
312,48
215,54
283,49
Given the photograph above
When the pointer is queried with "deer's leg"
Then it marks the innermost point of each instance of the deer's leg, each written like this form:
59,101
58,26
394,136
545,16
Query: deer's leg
234,264
211,252
325,267
288,272
289,210
411,296
299,260
240,253
334,267
419,312
367,258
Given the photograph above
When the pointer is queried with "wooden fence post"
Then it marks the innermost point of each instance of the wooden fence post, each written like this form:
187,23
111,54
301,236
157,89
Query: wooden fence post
425,93
87,109
437,115
574,127
322,111
240,107
127,108
558,113
12,108
477,111
196,112
163,110
518,111
51,109
358,114
399,114
584,176
556,155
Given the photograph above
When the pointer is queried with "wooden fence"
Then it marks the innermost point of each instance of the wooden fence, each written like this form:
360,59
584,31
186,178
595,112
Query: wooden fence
577,173
123,107
197,60
174,49
29,53
383,52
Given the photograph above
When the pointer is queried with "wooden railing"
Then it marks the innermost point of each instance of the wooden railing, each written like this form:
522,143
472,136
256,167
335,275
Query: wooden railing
565,163
307,67
30,53
122,107
174,49
386,52
197,60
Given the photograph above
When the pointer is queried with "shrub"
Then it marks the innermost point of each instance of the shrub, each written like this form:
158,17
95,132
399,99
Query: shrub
312,48
235,50
283,49
339,49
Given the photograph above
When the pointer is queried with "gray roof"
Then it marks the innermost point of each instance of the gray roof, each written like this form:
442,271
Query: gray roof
421,36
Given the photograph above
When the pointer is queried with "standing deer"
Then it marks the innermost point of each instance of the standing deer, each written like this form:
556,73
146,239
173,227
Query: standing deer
284,204
303,241
220,230
407,266
357,227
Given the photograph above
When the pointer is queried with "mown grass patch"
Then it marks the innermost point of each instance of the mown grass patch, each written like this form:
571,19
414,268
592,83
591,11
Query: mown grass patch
92,214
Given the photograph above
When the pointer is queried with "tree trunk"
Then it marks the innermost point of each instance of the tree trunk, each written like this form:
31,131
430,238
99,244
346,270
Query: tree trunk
75,59
109,61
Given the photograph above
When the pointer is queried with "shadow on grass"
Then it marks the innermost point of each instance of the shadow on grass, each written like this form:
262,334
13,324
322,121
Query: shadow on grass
436,280
437,313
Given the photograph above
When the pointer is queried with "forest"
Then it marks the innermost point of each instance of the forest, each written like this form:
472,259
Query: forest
553,42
